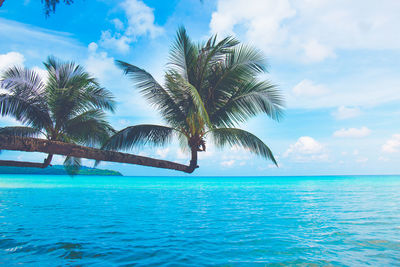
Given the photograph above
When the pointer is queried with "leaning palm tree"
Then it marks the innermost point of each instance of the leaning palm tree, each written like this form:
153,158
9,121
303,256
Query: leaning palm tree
209,89
68,107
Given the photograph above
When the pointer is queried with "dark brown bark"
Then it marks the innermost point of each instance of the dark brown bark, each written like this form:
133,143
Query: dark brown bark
1,2
193,162
29,144
12,163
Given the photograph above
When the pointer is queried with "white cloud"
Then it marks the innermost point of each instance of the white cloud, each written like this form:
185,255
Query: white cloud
343,112
162,153
100,65
140,22
306,149
117,41
11,59
119,25
266,30
392,145
37,42
310,29
140,19
352,132
227,163
305,145
9,121
41,72
315,51
308,88
354,92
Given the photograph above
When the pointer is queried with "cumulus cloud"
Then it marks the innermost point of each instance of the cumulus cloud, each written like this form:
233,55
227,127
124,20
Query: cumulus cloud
118,24
100,65
306,149
315,51
140,21
265,30
308,88
392,145
349,93
344,112
310,30
116,41
352,132
11,59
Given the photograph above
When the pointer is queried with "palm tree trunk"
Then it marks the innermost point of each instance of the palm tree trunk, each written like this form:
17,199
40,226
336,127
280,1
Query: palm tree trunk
193,162
12,163
30,144
1,2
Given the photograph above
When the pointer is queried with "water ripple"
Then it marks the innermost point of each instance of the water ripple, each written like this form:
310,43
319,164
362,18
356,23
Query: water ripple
342,221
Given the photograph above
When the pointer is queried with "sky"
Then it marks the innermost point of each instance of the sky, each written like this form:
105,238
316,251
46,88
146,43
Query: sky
337,64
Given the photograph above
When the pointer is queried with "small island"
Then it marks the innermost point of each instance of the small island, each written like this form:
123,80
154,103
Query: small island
57,170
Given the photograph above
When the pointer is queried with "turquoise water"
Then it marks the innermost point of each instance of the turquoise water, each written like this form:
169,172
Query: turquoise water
176,221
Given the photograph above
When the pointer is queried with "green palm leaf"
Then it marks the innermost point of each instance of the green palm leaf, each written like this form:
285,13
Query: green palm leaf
197,105
24,111
20,131
207,86
140,135
68,107
154,92
72,165
251,99
183,56
89,128
244,139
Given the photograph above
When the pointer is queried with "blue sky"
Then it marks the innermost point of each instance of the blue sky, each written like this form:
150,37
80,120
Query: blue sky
337,65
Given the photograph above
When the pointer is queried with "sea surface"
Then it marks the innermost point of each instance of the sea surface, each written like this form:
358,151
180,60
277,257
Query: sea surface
197,221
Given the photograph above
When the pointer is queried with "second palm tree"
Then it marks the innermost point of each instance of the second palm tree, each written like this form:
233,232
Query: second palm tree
209,89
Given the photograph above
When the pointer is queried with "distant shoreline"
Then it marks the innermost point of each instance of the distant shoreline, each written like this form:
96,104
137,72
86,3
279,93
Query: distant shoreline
57,170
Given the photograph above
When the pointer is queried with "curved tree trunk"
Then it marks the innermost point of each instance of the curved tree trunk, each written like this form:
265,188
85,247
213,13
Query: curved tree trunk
30,144
193,162
12,163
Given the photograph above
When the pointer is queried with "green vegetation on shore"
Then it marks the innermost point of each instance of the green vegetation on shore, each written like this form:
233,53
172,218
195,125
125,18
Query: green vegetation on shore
56,170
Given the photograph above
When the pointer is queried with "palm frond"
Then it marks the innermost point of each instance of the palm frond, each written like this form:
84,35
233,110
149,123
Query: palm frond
23,82
99,97
72,91
139,135
154,92
72,165
20,131
176,81
209,55
89,128
250,99
183,55
248,57
24,111
244,139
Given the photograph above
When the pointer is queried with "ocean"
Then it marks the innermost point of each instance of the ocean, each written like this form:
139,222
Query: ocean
197,221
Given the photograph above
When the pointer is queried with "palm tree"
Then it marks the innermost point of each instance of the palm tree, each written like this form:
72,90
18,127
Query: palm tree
68,107
209,89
